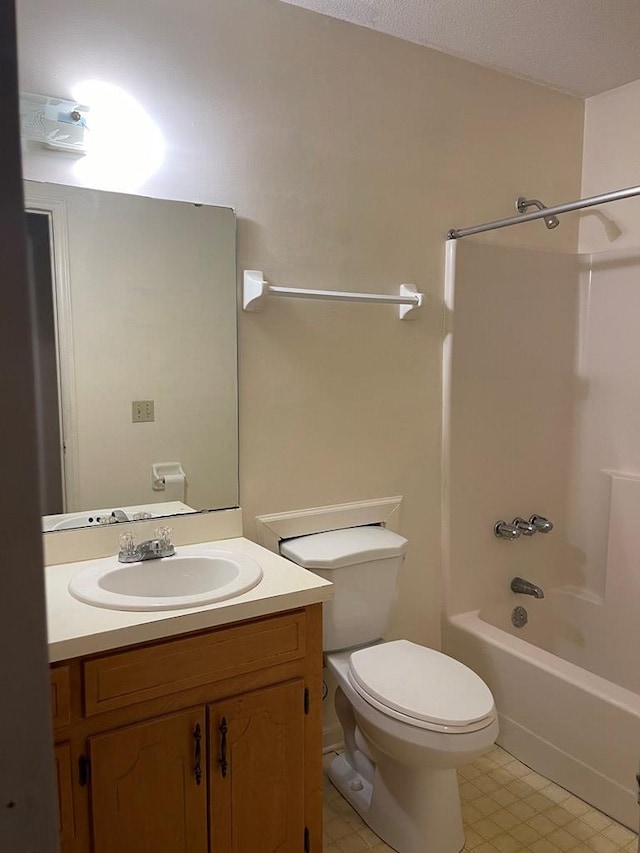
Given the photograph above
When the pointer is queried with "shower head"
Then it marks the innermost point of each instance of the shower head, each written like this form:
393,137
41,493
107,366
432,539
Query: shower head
523,203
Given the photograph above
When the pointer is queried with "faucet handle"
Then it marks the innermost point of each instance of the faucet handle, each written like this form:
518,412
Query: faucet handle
127,545
541,524
527,528
163,535
502,530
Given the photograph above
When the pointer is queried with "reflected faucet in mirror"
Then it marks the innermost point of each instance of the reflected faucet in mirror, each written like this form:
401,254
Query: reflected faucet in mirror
101,517
117,515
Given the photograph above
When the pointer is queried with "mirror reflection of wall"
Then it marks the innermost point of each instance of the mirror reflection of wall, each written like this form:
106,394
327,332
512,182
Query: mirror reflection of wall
136,303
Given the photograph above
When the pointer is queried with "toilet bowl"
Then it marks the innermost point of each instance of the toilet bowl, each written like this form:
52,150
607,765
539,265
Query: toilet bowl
399,771
410,715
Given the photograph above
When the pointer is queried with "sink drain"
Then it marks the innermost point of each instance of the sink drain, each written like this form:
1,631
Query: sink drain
519,617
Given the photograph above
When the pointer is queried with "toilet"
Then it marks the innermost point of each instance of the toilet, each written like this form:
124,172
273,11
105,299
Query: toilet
410,715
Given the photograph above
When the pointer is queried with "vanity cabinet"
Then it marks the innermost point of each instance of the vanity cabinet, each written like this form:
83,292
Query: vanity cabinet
205,743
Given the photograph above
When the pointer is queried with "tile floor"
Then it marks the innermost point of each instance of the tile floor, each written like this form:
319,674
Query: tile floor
507,808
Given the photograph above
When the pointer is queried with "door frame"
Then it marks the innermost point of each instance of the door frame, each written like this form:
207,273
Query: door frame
56,210
28,814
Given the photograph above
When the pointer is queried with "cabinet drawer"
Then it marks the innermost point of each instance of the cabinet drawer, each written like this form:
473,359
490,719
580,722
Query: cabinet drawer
149,673
60,697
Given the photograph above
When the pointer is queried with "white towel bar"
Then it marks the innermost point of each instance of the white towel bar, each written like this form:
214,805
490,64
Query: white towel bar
256,290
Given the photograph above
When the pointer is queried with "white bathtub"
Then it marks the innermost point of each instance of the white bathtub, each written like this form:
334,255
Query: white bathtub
574,727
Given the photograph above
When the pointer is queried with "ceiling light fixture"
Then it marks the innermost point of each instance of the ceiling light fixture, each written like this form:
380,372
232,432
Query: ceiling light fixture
56,123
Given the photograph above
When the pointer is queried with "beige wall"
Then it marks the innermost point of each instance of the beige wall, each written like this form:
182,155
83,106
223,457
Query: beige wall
347,155
611,145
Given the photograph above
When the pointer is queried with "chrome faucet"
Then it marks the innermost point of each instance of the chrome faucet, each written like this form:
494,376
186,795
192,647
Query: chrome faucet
506,531
521,527
526,528
116,516
150,549
524,587
541,524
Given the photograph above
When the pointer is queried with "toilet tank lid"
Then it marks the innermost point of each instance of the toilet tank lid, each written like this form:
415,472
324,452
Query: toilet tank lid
338,548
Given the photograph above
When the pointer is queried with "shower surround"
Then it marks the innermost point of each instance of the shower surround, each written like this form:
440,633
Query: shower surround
542,415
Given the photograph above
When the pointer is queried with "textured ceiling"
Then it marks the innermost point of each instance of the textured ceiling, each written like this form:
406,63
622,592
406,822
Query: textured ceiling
580,46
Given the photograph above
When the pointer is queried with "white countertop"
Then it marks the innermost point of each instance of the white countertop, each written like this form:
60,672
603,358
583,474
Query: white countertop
77,629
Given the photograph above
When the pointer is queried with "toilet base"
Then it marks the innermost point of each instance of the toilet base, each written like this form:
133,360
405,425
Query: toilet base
412,812
352,785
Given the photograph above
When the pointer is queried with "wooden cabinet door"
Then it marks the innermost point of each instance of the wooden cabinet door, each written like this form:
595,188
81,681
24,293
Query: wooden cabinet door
62,763
256,777
148,794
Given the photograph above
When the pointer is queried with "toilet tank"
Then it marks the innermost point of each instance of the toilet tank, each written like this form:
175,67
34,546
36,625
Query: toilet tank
362,563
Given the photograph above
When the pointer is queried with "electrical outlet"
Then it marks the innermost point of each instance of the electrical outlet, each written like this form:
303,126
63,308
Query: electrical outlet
142,411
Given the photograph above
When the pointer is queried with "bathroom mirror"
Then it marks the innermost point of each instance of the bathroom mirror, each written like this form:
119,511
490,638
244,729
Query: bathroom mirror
136,354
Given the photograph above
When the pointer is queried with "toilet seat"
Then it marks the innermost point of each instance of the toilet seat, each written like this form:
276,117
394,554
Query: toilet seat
397,678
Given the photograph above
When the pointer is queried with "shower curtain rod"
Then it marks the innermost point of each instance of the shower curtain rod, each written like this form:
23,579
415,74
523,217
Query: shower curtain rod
456,233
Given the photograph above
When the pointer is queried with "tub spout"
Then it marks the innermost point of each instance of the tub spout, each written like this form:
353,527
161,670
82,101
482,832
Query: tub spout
524,587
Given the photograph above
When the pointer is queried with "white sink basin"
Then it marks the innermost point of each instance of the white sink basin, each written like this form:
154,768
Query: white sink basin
170,583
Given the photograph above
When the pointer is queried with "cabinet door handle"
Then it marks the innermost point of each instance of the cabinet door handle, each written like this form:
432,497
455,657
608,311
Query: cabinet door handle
222,728
197,768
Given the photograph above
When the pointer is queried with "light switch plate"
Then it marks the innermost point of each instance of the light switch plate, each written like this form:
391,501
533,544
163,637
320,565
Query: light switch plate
142,411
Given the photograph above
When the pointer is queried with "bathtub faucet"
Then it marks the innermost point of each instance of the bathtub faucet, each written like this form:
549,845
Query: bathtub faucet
526,528
521,527
541,524
526,588
502,530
